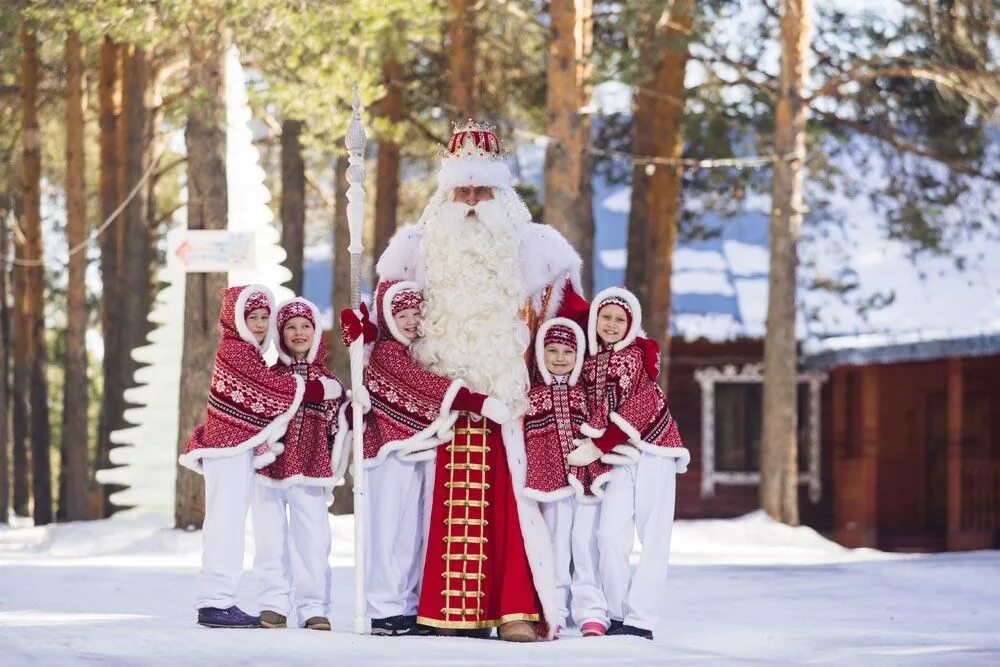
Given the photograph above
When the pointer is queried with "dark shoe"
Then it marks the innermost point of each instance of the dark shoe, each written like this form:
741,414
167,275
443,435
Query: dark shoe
318,623
399,626
615,624
630,631
272,619
473,633
234,617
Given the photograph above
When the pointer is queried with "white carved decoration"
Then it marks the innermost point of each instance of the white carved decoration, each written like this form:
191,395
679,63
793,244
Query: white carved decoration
147,466
707,378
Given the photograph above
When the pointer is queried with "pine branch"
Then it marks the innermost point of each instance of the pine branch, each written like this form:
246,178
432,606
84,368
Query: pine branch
896,139
983,87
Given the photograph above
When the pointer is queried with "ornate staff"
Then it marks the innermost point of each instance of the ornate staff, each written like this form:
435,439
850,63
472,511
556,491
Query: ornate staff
355,142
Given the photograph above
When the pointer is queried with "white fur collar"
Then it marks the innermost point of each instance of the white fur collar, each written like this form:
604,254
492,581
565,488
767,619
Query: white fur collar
545,258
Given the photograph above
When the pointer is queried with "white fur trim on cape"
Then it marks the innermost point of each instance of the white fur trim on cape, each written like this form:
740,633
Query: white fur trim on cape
317,331
241,321
682,455
595,306
596,488
549,496
540,349
340,456
456,172
422,446
385,310
270,434
546,258
537,541
591,432
263,460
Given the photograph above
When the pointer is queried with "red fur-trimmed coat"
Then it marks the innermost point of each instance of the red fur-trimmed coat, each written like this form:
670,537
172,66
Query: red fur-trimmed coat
620,391
314,452
551,423
411,407
249,406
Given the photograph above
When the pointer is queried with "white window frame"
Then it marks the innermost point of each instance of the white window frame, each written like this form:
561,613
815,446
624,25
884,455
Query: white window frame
708,377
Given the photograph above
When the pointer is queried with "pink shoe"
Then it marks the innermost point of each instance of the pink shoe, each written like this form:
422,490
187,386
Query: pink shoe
593,629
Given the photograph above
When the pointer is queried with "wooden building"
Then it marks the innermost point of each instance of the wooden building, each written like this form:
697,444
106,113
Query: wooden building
899,439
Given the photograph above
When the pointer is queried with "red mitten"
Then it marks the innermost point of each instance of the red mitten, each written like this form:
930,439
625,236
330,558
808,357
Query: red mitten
468,401
613,436
650,356
353,326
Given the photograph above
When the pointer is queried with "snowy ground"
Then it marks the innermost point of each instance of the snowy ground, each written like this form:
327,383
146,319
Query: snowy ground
741,591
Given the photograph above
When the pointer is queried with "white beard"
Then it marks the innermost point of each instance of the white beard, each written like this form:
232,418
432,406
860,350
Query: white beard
472,328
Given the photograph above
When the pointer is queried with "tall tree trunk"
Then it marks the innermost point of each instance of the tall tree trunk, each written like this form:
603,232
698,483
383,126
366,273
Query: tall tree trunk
462,60
5,471
20,455
207,209
779,446
666,140
34,302
567,167
293,200
638,216
74,505
343,495
387,168
112,402
135,248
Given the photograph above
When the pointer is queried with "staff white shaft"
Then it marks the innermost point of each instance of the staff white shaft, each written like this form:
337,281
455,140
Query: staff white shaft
355,142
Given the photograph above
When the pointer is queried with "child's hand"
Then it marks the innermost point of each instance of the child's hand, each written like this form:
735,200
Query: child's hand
361,397
331,389
586,452
496,411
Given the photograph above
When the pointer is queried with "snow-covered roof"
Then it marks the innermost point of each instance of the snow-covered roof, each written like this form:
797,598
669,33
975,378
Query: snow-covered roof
910,303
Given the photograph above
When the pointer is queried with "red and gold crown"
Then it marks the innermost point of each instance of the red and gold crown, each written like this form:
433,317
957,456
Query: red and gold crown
474,156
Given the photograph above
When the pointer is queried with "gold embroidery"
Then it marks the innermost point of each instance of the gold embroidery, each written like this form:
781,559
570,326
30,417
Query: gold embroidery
467,485
467,503
463,575
471,430
466,448
466,466
466,522
463,593
476,625
464,539
462,556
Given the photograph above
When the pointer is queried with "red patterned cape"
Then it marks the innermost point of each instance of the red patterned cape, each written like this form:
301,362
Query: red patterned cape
249,406
411,407
314,452
620,391
557,407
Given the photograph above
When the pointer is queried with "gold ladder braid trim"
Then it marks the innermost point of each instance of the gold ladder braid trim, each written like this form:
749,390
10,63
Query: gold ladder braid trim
481,467
472,576
464,539
467,503
467,448
467,522
480,486
472,430
462,612
463,557
463,594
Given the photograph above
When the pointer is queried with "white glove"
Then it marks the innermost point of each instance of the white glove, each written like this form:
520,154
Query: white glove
496,411
586,452
361,397
331,389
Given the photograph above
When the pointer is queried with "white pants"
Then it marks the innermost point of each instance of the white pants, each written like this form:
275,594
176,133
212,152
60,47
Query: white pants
639,497
228,490
396,525
573,527
292,530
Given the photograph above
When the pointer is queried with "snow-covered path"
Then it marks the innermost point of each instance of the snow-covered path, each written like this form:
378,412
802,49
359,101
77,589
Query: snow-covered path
741,591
